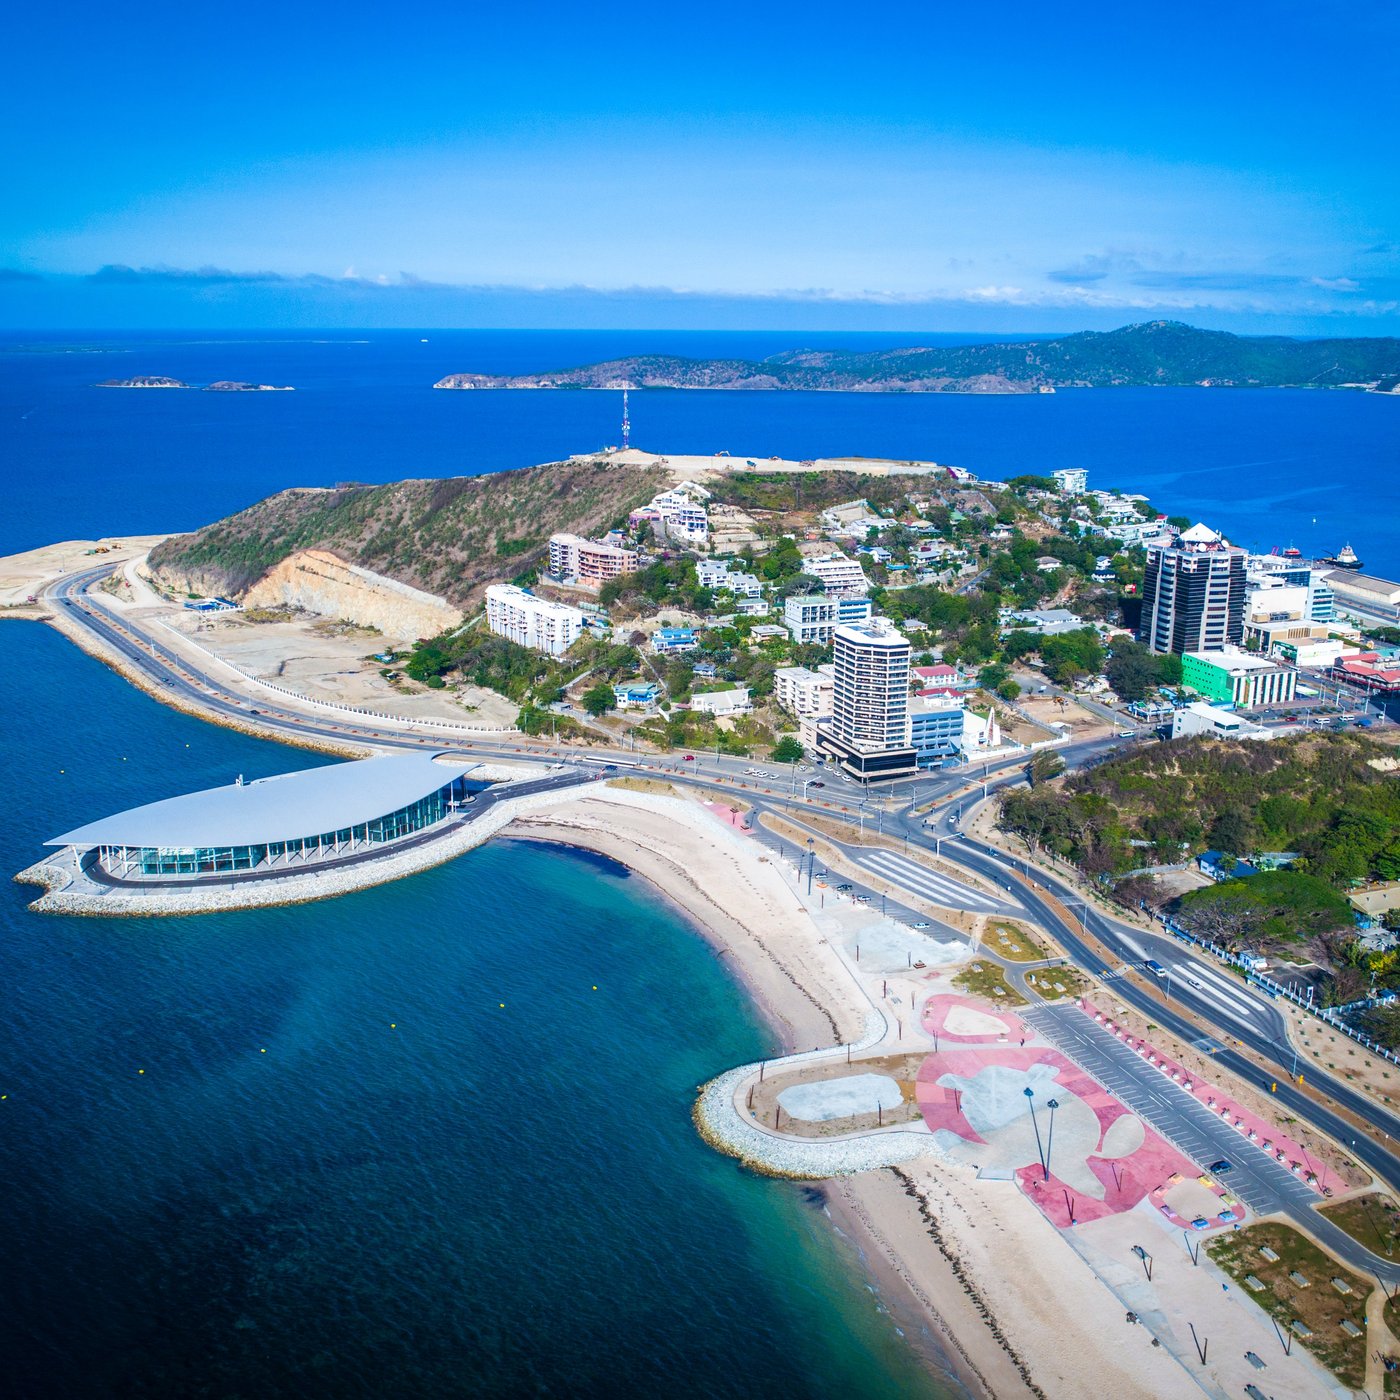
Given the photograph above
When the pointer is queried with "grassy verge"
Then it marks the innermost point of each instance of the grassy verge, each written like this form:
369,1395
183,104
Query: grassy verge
986,980
1012,941
1057,982
1317,1305
1371,1218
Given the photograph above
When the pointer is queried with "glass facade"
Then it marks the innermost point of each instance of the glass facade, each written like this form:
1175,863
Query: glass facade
275,856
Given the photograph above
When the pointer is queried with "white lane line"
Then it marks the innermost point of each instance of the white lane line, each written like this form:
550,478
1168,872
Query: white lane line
927,882
1218,979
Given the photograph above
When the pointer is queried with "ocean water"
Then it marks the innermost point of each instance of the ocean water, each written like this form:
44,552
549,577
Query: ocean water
1269,467
347,1169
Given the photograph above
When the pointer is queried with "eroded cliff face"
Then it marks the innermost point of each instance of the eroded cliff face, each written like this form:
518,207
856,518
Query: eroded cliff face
318,582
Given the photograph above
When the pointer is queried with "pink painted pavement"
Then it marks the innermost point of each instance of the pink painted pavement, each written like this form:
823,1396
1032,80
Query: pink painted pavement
1253,1130
1149,1171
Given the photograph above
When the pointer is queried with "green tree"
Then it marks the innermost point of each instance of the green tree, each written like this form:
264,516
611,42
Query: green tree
599,699
787,750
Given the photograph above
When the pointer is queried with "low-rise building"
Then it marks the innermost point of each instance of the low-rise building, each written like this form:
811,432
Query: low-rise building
734,700
637,695
1240,678
936,730
1214,723
1370,670
803,692
1047,622
839,575
588,563
532,622
673,639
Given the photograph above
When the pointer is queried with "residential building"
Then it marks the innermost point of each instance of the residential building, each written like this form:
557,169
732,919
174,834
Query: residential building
1240,678
1047,622
751,607
588,563
853,607
1193,594
803,692
733,701
1215,723
673,639
1073,481
810,617
637,695
868,733
711,573
532,622
839,575
1220,865
677,515
935,731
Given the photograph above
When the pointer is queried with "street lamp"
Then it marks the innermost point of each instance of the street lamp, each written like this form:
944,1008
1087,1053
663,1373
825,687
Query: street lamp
1039,1149
1050,1137
811,860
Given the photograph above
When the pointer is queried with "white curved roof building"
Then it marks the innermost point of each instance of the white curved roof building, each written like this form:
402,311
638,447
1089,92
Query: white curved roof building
277,825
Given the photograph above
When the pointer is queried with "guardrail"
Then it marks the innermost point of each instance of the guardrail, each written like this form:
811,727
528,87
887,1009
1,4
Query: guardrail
1329,1015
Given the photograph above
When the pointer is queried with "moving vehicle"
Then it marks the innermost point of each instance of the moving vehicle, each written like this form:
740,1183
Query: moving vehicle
689,758
816,784
1154,967
920,923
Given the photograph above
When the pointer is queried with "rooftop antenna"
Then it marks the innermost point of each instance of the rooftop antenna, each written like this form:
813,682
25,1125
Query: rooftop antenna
626,424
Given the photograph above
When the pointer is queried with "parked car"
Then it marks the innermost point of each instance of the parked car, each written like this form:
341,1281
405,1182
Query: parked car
1222,1166
1200,1223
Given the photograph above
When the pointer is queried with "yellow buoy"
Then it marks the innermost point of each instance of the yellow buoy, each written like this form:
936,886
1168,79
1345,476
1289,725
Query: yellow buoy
595,989
393,1025
140,1071
262,1051
503,1003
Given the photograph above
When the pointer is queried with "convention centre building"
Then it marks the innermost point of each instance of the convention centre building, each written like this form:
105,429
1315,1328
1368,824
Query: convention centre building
283,825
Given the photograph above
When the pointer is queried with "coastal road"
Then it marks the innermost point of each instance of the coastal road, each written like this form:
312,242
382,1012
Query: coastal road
194,686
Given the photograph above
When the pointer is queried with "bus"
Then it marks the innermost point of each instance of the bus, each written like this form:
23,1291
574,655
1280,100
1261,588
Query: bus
1155,968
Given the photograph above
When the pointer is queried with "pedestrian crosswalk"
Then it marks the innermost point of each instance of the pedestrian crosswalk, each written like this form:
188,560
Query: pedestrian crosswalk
929,884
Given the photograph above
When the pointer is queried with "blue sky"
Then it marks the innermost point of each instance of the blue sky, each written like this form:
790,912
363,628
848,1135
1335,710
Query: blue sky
887,167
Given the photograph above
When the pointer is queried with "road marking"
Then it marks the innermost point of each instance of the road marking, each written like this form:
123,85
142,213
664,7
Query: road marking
938,888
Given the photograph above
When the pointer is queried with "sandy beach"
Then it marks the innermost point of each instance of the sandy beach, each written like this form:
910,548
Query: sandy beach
971,1271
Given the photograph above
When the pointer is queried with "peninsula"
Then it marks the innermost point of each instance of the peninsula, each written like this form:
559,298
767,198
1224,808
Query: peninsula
1155,353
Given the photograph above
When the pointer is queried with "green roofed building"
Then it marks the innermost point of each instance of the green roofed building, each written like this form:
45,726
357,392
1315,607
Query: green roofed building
1235,677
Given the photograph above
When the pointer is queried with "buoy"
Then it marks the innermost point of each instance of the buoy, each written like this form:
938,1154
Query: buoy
140,1071
262,1051
595,988
503,1003
393,1025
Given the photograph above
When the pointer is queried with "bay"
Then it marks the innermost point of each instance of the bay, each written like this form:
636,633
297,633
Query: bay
1269,467
348,1168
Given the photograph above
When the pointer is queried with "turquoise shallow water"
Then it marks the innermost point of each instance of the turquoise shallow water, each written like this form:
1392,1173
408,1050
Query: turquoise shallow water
414,1190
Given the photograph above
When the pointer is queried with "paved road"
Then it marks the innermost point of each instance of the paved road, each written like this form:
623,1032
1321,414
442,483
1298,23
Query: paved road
1247,1017
1261,1182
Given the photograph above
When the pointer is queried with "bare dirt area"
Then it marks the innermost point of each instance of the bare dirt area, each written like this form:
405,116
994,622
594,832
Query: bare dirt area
1326,1047
1056,711
770,1095
332,660
25,575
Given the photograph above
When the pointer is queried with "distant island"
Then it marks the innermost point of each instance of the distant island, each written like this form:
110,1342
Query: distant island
219,386
1155,353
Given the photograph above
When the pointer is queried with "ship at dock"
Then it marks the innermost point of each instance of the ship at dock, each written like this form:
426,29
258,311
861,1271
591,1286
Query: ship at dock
1344,558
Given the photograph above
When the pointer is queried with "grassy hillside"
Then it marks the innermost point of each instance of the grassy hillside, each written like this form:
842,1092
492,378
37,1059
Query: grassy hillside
448,536
1318,795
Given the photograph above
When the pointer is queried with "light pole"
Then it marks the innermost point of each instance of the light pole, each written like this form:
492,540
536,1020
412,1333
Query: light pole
811,860
1039,1149
1050,1137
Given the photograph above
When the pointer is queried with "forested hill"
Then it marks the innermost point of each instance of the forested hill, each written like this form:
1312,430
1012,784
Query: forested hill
1156,353
450,537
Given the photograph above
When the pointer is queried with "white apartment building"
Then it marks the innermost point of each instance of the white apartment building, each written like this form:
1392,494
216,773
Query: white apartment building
810,617
840,576
869,729
683,518
1073,481
587,562
805,693
712,573
532,622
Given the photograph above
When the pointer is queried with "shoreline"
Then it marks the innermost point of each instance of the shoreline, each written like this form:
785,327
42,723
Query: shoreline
957,1293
